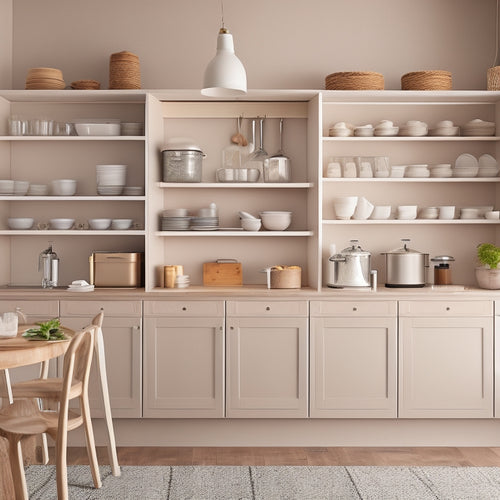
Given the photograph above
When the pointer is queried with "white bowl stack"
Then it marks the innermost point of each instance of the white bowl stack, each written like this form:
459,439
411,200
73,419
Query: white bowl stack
111,179
488,166
478,127
6,187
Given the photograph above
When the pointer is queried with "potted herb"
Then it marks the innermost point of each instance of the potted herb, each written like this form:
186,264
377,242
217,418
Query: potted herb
488,274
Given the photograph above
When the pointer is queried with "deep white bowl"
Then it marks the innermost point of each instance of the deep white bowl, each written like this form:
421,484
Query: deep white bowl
345,206
63,187
21,187
276,221
121,224
61,223
99,224
251,224
20,222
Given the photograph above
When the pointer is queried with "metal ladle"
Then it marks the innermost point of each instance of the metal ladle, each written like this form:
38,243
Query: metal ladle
278,167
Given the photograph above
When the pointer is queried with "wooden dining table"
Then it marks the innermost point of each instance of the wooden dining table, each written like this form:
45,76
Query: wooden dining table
15,352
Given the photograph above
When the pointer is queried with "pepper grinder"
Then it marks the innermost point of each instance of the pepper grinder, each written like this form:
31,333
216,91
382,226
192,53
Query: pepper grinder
442,271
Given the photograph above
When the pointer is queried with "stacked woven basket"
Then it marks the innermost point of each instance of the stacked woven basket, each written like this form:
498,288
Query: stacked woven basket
124,71
44,79
355,80
426,80
86,85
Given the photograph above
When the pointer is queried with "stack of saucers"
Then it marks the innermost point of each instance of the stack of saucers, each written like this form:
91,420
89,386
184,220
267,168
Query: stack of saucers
488,166
182,281
131,128
466,165
413,128
45,79
428,213
441,170
417,171
111,179
38,190
444,128
478,127
6,187
175,219
204,223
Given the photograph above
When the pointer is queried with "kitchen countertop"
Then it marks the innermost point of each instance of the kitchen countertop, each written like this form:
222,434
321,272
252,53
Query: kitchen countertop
250,292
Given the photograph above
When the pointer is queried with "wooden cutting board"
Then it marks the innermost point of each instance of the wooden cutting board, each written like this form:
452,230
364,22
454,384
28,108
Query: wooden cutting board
222,273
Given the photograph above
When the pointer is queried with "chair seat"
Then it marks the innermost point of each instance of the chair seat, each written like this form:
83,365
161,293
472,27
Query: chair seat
49,388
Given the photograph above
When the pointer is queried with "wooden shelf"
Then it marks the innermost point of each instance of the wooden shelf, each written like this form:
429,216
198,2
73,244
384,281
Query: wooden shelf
71,232
72,198
235,185
45,138
328,222
425,138
412,179
238,234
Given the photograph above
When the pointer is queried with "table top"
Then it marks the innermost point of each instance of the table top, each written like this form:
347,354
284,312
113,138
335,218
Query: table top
19,351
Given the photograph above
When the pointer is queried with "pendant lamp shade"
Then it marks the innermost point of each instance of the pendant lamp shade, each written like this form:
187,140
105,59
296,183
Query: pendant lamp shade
225,75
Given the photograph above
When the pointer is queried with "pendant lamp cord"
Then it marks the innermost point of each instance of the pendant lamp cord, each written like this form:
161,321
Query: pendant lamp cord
496,37
222,16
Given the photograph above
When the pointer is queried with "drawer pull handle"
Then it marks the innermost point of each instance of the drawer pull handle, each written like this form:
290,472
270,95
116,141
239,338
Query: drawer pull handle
448,308
354,308
184,308
268,308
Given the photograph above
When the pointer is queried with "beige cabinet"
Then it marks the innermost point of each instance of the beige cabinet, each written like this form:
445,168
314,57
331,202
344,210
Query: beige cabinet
446,359
267,359
34,310
122,334
184,359
353,359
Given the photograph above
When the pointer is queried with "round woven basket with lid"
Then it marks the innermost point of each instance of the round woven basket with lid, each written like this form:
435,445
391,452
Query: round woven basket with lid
124,71
426,80
354,80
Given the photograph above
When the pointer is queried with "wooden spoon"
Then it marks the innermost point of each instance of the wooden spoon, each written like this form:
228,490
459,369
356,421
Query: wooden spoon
239,138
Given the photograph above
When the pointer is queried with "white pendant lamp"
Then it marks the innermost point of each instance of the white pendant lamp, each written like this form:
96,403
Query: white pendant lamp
225,75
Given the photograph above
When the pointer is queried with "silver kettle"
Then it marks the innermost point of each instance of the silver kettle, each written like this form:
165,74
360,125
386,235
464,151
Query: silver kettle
48,263
349,268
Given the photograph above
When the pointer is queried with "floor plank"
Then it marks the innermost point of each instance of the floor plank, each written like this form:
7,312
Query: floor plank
433,456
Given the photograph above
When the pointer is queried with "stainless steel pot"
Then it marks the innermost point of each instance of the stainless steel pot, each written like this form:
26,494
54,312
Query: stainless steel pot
182,161
349,268
405,268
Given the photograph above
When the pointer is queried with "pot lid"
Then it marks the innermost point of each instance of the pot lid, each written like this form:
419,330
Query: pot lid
404,250
443,258
354,249
181,144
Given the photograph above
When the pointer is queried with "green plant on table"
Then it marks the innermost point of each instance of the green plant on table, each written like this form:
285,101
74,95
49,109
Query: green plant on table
489,255
48,330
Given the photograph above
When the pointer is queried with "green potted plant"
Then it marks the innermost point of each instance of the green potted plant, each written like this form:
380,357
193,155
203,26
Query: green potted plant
488,274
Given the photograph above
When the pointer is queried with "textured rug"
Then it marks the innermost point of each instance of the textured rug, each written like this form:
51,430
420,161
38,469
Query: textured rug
272,483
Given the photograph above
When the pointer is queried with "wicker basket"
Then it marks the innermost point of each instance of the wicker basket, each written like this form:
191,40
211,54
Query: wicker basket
494,78
124,71
426,80
85,85
355,80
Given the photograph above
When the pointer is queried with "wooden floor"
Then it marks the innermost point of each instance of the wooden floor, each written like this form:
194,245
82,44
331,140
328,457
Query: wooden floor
487,457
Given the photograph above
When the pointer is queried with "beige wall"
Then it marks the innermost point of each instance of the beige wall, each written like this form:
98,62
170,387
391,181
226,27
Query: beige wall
6,44
283,43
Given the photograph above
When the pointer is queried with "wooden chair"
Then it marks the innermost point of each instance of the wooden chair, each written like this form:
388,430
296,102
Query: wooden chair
51,388
75,381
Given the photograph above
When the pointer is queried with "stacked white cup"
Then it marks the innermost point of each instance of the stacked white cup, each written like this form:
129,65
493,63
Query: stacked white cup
111,179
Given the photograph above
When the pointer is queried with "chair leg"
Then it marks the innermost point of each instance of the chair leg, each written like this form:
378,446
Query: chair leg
61,465
45,450
17,467
103,380
89,439
5,386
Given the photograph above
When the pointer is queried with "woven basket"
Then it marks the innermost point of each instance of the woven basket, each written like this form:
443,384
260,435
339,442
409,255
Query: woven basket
85,85
355,80
426,80
124,71
493,77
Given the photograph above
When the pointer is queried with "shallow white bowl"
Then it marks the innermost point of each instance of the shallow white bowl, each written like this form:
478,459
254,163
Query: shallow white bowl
121,224
251,224
99,224
492,214
21,187
87,129
63,187
381,212
20,222
61,223
276,221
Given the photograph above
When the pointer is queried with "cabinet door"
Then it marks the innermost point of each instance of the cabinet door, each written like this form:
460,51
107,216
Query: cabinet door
446,367
354,367
267,373
184,367
123,348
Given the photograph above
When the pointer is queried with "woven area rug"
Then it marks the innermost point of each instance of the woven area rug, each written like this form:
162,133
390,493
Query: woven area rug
272,483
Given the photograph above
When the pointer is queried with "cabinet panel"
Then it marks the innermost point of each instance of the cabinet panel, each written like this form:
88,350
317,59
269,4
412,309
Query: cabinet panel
354,367
123,349
108,307
267,367
184,367
440,308
184,308
446,367
358,308
263,308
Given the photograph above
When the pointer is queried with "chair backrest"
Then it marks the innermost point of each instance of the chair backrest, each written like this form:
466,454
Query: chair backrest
98,320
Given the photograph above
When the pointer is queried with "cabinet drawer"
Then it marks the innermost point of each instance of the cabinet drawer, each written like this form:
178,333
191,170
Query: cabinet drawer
122,308
445,308
42,308
293,308
354,308
207,308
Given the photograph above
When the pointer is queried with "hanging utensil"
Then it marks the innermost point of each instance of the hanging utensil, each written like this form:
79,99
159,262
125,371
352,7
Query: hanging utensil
239,138
278,167
260,153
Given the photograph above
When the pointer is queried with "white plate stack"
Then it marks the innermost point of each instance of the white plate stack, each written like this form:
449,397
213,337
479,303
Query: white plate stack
204,223
466,165
182,281
111,179
6,187
478,127
488,166
415,171
441,170
132,128
175,219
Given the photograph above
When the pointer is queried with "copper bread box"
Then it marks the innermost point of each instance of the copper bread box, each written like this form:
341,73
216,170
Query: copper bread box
116,269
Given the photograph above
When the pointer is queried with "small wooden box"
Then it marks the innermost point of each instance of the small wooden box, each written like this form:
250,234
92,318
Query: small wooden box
222,273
